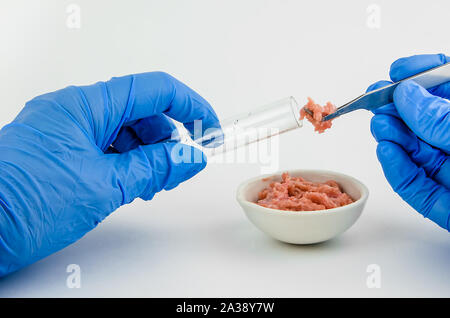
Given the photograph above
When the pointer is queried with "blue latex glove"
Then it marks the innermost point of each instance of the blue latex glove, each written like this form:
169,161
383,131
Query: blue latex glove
413,136
59,177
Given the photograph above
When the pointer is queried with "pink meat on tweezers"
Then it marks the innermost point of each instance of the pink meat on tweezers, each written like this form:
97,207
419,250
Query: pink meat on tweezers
318,113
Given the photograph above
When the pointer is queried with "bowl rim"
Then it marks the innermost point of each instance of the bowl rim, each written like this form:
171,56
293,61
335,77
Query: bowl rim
365,193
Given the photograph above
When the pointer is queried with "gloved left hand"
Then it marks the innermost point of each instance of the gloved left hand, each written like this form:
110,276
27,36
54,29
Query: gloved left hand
59,175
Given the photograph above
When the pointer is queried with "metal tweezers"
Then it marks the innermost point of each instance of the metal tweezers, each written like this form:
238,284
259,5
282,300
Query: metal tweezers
384,95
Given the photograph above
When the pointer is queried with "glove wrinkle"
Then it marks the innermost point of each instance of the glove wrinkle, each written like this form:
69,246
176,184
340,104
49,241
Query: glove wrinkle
87,110
126,114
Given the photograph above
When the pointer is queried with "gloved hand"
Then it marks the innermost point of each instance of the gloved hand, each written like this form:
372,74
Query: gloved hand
59,177
413,136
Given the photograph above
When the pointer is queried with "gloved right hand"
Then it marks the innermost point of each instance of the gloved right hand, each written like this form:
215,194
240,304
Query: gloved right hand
413,136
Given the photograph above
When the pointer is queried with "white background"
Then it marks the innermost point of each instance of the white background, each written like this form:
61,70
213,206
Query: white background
195,240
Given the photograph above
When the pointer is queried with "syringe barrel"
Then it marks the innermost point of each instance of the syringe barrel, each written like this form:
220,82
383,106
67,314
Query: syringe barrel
255,125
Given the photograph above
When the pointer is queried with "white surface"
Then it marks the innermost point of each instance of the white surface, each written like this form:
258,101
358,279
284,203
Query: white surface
303,227
195,240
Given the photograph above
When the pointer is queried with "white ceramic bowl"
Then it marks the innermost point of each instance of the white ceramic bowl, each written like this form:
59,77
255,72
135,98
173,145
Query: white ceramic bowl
304,227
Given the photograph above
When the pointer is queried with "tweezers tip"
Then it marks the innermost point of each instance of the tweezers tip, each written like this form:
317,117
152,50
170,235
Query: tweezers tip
308,111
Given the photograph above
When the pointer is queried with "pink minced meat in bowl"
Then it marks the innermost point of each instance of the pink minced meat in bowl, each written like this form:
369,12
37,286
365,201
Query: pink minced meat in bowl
302,227
298,194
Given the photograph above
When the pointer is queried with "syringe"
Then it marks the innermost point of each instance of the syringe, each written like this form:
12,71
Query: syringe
255,125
